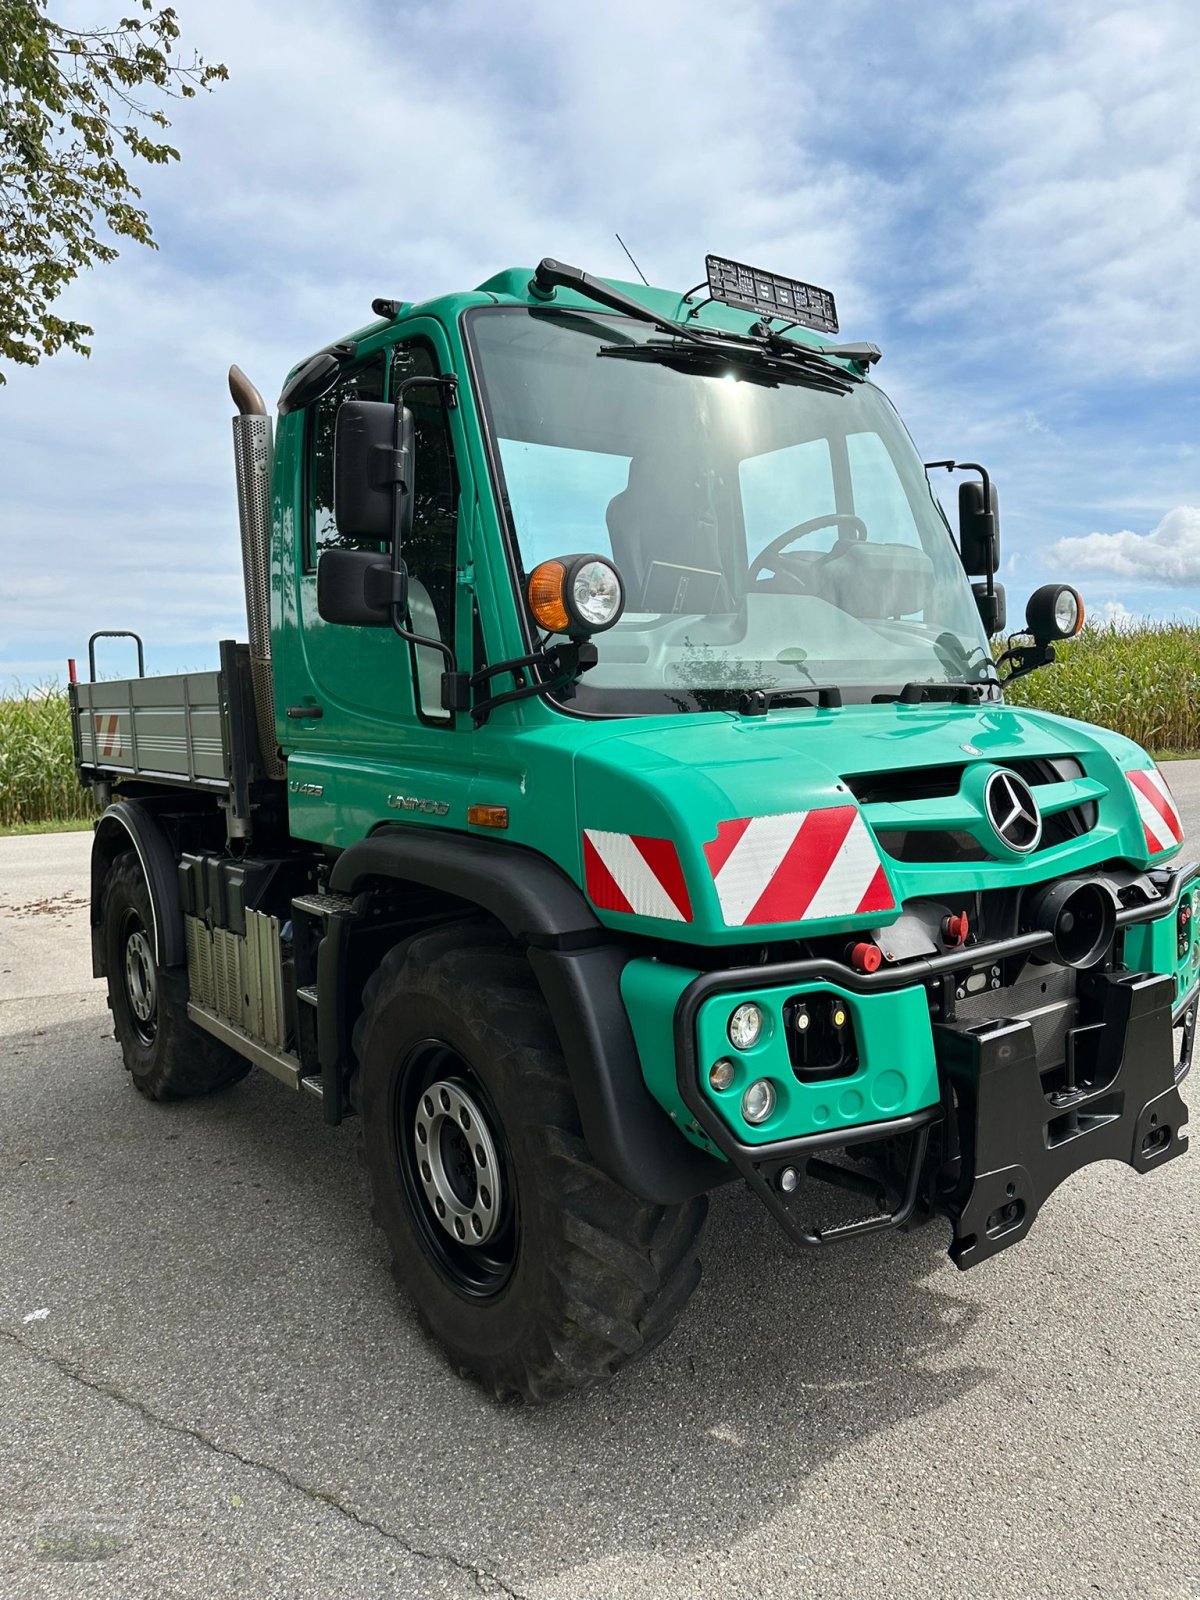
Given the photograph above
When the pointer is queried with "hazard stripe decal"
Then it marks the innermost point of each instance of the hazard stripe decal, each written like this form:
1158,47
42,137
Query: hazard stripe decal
106,731
1156,807
795,866
635,874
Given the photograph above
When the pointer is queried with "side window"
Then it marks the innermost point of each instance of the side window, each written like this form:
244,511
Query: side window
364,382
431,550
879,497
786,487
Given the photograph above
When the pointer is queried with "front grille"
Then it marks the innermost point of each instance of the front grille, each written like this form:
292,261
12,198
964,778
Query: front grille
947,845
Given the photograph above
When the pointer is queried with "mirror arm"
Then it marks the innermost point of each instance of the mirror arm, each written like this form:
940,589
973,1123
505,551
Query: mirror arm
1025,658
974,466
564,662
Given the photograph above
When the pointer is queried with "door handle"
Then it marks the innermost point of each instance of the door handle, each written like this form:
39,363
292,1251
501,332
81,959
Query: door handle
299,713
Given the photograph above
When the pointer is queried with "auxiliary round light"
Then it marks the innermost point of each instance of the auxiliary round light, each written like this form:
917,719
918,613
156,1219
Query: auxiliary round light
576,595
721,1073
758,1102
745,1026
596,593
1055,611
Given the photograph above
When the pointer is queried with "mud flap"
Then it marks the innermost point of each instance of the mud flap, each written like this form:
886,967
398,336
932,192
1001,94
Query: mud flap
1023,1128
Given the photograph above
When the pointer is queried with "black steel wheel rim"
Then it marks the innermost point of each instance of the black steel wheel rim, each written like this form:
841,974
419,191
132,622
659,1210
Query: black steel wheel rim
476,1270
139,976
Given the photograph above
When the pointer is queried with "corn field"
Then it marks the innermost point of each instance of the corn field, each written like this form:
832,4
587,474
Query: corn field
1144,682
37,765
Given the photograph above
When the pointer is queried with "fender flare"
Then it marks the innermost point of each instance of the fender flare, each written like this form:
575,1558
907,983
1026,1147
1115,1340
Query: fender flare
526,893
127,823
577,965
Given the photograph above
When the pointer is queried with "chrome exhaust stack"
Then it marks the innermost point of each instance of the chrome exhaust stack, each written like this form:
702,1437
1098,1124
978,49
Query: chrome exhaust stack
252,447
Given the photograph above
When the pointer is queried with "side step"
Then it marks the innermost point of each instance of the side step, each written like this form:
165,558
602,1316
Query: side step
280,1064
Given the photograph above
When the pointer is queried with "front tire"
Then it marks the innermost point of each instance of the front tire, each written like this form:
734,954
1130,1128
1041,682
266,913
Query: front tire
535,1271
167,1056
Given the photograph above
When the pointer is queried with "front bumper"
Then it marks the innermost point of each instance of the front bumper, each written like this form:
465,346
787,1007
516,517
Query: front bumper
1014,1117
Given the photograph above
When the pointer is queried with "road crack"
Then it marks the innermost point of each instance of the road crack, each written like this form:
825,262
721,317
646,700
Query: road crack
486,1582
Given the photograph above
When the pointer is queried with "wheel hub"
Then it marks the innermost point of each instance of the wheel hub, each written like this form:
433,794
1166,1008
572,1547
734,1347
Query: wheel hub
140,984
456,1162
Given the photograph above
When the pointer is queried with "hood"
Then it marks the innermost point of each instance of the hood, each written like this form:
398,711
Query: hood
727,828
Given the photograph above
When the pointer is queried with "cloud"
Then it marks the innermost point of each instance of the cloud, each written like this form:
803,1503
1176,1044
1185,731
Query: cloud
1019,236
1169,554
1116,614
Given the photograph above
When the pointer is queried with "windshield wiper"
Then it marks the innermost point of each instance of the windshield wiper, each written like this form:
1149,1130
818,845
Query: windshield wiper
759,701
916,692
762,364
712,346
550,274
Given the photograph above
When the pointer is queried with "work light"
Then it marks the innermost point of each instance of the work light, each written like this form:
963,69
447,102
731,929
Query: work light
576,594
1055,611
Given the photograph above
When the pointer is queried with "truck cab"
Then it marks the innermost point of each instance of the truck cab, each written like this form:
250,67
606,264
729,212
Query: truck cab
618,797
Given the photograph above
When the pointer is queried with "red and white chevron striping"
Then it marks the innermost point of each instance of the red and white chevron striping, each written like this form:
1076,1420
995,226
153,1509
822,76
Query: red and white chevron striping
630,872
1156,806
797,866
788,868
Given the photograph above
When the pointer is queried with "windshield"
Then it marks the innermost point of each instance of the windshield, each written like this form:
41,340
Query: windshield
770,535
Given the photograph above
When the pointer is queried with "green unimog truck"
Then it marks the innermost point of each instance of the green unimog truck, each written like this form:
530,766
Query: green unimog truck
616,797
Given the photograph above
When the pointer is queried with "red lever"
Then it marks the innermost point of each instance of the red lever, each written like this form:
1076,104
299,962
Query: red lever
866,957
955,928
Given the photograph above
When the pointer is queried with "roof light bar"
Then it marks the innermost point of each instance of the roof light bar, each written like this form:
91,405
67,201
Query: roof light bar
751,289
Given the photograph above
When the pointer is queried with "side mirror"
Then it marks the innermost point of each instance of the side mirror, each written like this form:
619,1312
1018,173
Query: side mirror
373,455
993,608
979,526
359,588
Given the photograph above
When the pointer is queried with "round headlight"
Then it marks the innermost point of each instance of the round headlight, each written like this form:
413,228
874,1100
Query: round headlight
758,1102
745,1026
1066,612
1055,611
597,596
721,1073
576,595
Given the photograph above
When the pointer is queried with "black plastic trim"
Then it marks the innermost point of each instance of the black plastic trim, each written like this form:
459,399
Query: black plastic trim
626,1129
126,819
533,899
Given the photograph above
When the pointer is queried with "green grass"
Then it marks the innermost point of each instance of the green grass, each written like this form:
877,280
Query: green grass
38,785
1144,682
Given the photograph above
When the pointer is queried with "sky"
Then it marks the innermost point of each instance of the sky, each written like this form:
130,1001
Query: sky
1004,195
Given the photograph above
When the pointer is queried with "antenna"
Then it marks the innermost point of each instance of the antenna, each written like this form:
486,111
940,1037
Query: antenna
629,253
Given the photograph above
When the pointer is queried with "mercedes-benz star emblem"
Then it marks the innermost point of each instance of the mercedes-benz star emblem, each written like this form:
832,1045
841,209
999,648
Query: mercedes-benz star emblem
1012,811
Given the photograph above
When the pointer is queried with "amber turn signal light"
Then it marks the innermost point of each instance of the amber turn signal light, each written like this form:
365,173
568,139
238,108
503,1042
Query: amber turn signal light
547,584
480,816
578,595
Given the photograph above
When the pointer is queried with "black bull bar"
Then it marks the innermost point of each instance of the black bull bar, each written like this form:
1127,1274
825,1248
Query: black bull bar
1000,1142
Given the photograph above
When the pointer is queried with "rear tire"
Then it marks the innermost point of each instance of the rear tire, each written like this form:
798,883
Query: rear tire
546,1276
166,1055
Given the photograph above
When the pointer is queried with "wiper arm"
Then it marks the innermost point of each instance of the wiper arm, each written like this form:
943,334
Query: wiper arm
764,365
916,692
759,701
550,274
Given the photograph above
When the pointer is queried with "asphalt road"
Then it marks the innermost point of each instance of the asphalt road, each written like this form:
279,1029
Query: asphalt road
209,1388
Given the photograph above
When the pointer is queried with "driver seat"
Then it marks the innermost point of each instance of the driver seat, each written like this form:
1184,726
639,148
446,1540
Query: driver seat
666,514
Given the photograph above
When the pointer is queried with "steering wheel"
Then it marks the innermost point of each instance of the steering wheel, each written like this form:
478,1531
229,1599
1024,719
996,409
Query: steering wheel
771,555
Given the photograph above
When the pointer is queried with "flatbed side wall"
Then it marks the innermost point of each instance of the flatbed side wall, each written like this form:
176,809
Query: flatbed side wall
171,729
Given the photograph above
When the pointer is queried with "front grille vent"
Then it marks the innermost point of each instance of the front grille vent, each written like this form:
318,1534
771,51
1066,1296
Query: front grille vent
943,845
